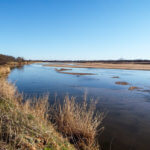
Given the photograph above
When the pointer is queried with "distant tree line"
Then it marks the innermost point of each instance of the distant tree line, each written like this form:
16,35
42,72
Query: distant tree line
4,59
136,61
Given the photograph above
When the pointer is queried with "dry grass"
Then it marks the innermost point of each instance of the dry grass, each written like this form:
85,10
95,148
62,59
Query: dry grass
128,66
25,126
133,88
12,64
62,69
4,70
78,122
72,73
122,83
7,90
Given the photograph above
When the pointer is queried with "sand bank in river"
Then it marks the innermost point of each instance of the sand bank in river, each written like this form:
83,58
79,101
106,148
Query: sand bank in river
128,66
72,73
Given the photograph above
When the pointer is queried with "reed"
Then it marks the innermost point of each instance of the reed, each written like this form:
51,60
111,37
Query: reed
25,126
35,125
78,122
4,70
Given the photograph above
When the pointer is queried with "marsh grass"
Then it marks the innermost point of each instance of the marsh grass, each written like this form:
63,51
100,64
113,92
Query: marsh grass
131,88
78,122
35,125
25,126
4,70
122,83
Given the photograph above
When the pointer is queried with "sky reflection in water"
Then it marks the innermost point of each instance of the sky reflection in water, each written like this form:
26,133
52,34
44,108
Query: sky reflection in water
127,122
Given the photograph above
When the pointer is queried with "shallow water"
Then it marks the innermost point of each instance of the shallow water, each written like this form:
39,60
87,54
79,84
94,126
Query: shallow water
127,124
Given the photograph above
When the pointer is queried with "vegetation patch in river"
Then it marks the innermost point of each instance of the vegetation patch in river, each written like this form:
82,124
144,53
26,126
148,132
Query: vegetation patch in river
63,70
29,125
115,77
122,83
134,88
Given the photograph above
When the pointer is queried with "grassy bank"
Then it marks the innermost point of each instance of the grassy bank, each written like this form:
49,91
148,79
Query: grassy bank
8,62
23,126
15,64
35,125
4,70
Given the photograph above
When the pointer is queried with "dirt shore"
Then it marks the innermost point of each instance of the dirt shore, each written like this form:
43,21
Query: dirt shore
127,66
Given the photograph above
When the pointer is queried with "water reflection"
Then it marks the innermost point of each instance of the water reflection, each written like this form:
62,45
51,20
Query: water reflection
128,120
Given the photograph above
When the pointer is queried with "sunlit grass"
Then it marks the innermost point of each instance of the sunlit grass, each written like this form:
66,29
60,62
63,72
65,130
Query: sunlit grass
4,70
35,124
25,125
78,122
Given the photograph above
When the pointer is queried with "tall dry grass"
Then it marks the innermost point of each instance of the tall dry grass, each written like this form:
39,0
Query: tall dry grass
78,122
4,70
32,125
7,90
25,126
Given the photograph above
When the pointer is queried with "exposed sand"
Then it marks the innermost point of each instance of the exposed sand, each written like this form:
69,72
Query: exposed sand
122,83
72,73
133,88
128,66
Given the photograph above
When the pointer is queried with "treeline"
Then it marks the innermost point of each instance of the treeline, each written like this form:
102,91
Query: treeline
137,61
4,59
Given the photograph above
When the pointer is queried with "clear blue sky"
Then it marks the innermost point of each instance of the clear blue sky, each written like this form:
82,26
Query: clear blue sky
75,29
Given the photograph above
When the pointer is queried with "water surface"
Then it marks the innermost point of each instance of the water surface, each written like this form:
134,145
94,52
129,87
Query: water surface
127,124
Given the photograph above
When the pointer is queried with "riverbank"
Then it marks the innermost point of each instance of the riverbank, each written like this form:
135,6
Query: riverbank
25,127
6,69
16,64
36,125
126,66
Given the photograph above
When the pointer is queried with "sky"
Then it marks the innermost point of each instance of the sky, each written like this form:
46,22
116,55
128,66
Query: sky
75,29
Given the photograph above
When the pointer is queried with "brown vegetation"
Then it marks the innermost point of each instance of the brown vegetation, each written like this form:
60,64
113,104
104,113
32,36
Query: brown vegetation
105,65
9,62
62,69
77,122
122,83
4,70
4,59
72,73
134,88
26,126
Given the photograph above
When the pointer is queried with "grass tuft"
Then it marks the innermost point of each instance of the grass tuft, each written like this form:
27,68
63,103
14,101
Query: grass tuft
78,122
